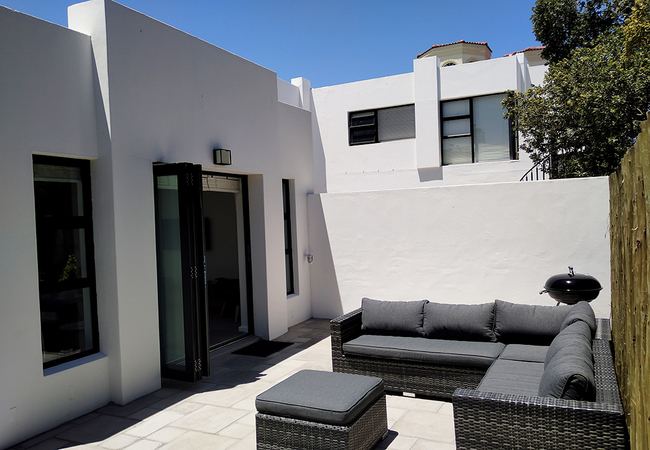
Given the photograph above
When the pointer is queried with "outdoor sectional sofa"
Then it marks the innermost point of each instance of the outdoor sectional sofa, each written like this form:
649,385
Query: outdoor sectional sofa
519,376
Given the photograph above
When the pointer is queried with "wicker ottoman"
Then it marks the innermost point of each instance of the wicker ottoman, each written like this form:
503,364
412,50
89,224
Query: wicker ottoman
322,410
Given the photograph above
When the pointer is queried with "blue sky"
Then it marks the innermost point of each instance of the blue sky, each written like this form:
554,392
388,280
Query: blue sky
330,41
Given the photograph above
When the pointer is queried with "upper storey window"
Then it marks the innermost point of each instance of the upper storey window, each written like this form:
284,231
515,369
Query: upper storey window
474,130
380,125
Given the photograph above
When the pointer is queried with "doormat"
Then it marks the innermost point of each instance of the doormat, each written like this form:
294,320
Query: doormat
262,348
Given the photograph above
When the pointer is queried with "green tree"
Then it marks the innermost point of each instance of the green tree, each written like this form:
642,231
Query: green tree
564,25
586,114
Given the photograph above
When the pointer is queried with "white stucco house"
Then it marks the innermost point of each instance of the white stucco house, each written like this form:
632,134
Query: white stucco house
161,197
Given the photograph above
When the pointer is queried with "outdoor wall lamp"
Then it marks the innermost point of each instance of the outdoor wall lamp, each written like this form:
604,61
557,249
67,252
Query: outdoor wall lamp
222,157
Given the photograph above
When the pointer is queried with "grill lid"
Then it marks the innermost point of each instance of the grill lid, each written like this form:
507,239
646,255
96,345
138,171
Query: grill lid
572,287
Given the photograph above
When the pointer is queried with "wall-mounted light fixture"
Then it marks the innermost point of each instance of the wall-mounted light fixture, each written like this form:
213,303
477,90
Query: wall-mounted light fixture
222,157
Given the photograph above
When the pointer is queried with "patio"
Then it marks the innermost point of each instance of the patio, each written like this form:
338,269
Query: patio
219,412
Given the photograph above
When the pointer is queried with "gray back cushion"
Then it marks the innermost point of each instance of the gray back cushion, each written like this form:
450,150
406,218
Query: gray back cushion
459,322
569,368
527,324
575,337
581,311
392,318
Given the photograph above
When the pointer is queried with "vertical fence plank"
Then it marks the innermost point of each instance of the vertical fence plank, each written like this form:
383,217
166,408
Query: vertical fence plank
629,209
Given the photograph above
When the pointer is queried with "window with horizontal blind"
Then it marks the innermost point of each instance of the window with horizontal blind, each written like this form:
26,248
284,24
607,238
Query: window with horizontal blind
474,130
381,125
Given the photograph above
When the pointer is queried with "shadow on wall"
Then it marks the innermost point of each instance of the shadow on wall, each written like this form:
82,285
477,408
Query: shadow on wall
325,294
320,168
430,174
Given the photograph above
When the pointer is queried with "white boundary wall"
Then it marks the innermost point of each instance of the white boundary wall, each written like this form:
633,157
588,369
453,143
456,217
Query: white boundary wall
458,244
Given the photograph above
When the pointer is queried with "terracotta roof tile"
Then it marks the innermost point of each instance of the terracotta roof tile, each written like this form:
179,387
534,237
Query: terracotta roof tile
528,49
462,41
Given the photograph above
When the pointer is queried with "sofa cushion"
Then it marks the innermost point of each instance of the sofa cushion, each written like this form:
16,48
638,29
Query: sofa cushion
325,397
434,351
459,322
581,311
394,318
569,371
506,376
524,352
574,338
527,324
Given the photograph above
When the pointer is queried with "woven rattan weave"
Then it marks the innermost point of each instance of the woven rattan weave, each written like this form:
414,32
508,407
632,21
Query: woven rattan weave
281,433
432,380
485,420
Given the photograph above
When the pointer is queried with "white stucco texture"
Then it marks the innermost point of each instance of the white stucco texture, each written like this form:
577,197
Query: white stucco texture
460,244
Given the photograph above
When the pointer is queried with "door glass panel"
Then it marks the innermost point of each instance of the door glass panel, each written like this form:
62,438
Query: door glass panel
225,298
170,282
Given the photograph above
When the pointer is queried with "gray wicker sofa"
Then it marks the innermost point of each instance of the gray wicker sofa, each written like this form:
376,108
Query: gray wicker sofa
519,376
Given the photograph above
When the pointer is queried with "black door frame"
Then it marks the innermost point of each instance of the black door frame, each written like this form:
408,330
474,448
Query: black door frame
247,250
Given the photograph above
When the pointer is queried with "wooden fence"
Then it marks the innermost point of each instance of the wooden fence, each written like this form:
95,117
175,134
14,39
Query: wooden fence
629,221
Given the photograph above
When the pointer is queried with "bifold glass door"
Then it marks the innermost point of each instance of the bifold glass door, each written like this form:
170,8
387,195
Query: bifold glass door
181,271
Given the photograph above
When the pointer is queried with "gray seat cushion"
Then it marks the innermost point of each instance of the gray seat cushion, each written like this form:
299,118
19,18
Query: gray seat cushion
525,352
527,324
435,351
459,322
324,397
394,318
581,311
506,376
569,371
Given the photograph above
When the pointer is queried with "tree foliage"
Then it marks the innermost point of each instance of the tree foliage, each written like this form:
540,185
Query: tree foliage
565,25
587,112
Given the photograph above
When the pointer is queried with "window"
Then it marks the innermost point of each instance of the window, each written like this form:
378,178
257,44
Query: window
288,236
380,125
66,268
474,130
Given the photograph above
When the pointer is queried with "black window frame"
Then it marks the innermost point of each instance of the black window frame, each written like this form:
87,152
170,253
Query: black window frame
48,222
512,141
370,126
288,237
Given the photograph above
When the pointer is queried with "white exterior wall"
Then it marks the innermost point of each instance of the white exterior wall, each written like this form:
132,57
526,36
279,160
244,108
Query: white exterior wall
150,94
410,163
36,56
458,244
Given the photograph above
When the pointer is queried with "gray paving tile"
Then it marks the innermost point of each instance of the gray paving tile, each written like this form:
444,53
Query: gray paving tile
209,419
219,412
195,440
96,430
426,425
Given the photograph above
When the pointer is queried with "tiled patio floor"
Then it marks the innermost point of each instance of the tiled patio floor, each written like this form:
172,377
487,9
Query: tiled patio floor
219,412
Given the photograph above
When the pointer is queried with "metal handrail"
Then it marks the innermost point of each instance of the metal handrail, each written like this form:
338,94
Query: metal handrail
533,173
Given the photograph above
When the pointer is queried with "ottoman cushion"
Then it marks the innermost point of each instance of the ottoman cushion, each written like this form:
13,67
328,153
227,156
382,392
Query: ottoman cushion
325,397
